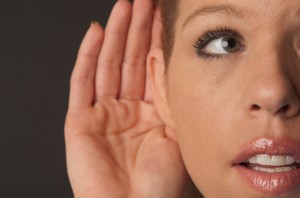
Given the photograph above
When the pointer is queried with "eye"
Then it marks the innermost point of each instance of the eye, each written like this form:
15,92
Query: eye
224,45
218,43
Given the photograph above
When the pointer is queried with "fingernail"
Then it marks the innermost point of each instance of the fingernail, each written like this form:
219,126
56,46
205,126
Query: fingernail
95,23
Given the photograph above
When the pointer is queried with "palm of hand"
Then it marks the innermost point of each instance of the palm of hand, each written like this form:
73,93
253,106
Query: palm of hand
115,140
123,144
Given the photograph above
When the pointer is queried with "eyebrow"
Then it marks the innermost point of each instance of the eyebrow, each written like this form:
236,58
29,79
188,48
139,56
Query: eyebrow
207,10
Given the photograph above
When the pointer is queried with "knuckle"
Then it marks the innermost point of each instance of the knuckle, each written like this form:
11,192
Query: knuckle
141,27
134,61
115,32
110,63
106,62
82,79
87,55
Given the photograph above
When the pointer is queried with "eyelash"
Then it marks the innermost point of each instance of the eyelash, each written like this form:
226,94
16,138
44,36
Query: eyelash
211,35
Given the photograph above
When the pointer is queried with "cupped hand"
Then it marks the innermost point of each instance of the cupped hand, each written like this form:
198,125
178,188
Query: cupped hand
116,143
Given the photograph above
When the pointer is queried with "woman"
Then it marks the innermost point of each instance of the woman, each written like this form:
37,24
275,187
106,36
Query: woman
220,100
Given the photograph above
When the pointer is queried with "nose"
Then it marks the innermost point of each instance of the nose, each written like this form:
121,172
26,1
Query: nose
271,91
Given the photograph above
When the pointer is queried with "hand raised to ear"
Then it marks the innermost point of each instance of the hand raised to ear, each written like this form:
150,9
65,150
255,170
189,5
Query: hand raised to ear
116,143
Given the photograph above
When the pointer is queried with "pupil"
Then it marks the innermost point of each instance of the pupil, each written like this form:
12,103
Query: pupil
230,44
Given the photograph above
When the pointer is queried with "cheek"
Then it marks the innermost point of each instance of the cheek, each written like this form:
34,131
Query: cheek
199,120
203,112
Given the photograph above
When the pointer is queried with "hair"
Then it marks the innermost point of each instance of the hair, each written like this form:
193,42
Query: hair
169,13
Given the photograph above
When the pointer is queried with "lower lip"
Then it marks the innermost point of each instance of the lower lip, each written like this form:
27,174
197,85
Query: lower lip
270,183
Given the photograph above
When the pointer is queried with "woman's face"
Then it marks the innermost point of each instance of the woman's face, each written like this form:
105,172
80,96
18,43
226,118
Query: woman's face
233,86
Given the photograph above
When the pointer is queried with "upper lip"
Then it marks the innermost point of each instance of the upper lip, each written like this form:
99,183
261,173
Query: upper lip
269,146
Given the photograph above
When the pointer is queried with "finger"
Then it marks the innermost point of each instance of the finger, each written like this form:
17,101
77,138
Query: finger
137,49
83,76
156,42
112,53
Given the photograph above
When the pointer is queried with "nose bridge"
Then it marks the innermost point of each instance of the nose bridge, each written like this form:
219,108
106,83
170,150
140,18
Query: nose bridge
270,89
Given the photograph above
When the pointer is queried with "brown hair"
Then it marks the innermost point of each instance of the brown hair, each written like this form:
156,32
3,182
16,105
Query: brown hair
169,13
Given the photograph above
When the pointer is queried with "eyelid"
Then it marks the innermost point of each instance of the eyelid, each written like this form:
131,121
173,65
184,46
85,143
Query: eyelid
217,33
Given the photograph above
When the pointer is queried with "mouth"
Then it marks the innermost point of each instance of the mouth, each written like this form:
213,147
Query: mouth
271,166
271,163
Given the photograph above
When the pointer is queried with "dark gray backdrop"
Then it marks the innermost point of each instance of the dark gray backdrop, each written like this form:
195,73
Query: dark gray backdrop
38,46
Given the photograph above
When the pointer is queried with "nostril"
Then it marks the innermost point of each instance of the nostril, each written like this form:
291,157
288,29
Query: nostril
255,107
285,108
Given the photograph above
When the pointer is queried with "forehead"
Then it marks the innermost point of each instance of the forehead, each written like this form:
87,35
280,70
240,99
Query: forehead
260,10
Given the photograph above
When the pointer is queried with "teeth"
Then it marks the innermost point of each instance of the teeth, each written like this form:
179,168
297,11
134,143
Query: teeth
285,169
279,170
252,160
272,160
256,168
290,160
263,159
279,160
275,170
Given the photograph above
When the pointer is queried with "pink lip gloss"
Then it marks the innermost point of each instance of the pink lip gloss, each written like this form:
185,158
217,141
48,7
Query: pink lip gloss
269,182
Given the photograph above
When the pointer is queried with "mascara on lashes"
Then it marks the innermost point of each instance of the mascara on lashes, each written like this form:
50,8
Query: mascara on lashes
210,35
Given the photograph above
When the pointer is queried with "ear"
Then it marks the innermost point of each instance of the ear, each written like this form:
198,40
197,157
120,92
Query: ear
156,72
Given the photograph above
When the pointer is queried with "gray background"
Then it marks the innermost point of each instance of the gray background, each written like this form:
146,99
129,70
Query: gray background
39,40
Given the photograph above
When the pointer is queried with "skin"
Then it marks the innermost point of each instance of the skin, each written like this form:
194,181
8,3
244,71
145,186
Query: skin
212,104
124,139
116,143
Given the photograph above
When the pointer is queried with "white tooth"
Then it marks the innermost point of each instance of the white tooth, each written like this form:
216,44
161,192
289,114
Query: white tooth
252,160
279,170
289,160
256,168
278,160
275,170
266,170
263,159
286,169
271,170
